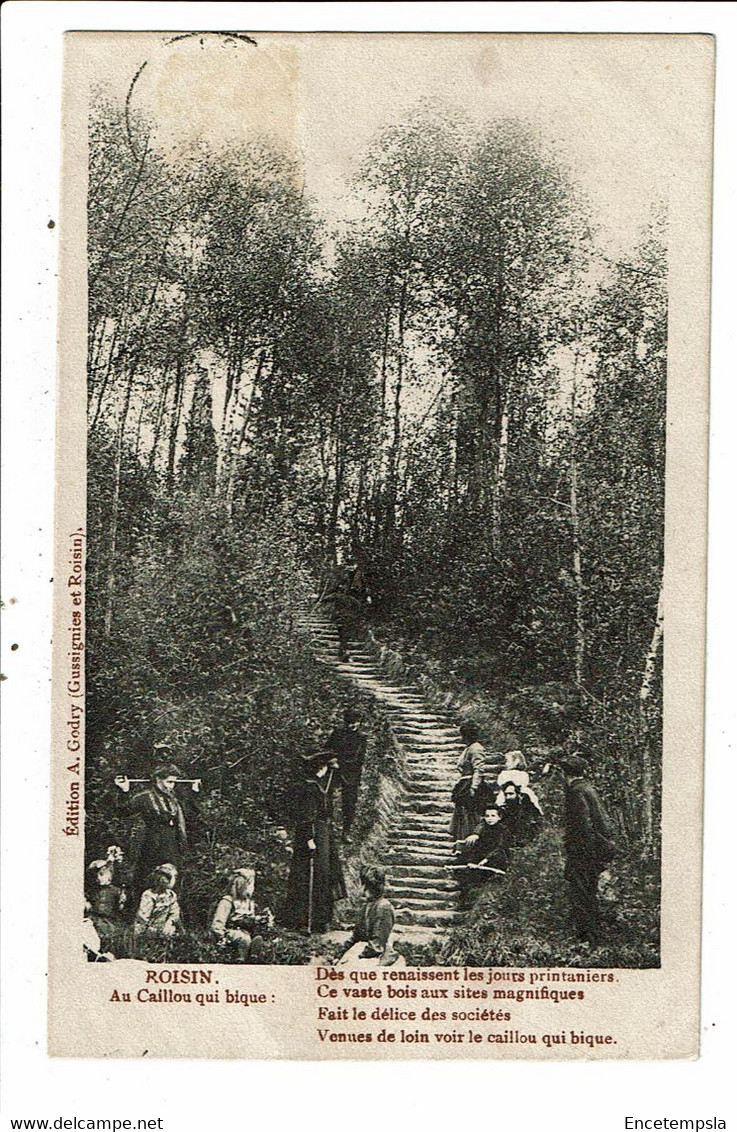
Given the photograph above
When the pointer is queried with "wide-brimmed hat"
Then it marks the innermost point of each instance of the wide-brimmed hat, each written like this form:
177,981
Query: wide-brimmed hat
518,778
166,870
95,866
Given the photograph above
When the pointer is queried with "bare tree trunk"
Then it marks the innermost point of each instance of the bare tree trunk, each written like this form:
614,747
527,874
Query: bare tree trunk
115,509
385,352
580,649
176,417
648,679
230,410
500,476
121,218
390,518
159,421
237,448
137,442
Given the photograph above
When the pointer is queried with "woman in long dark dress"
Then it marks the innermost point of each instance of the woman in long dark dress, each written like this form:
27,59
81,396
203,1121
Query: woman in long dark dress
465,791
316,876
160,832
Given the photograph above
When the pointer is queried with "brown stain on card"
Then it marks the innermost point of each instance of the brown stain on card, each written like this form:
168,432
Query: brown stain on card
487,65
249,95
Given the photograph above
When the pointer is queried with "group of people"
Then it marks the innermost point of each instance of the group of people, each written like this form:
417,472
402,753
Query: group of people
161,820
160,835
496,811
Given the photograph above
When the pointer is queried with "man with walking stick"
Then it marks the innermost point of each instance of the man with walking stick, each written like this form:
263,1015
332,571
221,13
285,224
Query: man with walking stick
316,876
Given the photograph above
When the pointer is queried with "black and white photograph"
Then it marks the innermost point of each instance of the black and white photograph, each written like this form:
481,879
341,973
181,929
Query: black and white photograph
380,531
375,516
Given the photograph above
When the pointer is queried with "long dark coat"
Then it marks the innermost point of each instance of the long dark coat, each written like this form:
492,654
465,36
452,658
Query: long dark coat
589,848
315,877
588,830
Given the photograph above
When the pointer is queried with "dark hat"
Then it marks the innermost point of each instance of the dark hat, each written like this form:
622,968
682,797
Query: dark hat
167,770
350,715
469,731
573,764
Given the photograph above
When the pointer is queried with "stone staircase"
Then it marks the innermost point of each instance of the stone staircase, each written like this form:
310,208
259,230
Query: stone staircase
418,846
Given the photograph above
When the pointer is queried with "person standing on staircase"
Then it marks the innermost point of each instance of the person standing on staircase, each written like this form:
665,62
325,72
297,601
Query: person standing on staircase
349,598
471,770
316,875
348,743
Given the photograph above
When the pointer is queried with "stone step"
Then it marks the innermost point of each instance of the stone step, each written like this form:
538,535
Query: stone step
442,751
431,823
419,934
428,807
415,916
406,853
439,838
420,884
426,738
421,717
421,904
415,837
420,799
413,869
403,858
426,772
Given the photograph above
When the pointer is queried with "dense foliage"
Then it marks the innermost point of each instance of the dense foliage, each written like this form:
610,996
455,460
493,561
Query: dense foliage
461,393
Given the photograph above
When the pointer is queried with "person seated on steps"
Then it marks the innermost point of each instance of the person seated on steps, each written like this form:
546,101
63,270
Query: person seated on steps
369,944
483,855
520,807
488,845
495,764
91,945
237,923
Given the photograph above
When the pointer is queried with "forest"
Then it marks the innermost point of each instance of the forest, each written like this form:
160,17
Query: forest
462,391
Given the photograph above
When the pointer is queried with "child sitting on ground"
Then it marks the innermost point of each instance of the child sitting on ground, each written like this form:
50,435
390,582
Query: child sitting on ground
104,902
369,943
237,922
158,918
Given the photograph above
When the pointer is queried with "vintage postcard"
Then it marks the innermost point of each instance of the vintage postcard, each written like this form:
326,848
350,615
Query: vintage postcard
380,546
